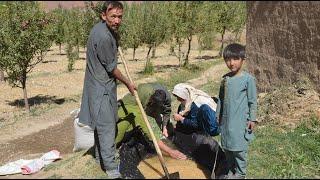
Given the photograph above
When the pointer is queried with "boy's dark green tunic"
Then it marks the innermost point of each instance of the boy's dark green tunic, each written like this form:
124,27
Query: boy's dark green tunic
99,98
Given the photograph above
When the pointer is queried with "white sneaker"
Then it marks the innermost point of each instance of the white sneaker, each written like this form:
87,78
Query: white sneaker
113,174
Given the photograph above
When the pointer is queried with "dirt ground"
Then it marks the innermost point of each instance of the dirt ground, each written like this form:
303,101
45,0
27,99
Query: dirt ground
54,93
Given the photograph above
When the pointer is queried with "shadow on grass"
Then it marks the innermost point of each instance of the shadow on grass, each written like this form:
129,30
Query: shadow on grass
36,100
206,57
60,54
166,66
162,68
49,61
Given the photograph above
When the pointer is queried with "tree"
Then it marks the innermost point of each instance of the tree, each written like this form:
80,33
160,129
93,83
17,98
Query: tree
73,32
59,23
131,28
205,26
191,10
229,16
24,36
154,29
2,19
183,26
239,21
89,19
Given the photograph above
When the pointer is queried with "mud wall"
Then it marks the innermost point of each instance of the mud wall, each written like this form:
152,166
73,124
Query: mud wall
283,42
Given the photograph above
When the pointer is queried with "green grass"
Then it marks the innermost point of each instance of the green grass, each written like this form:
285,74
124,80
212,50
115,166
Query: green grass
149,68
292,153
186,73
211,88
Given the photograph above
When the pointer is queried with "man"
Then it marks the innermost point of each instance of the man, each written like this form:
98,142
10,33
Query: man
99,99
156,101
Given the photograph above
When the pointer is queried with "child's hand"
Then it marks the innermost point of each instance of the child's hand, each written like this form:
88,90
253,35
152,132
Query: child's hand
165,131
178,117
251,124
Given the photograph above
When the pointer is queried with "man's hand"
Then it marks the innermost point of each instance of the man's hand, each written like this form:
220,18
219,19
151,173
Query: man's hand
131,87
118,75
177,155
177,117
251,124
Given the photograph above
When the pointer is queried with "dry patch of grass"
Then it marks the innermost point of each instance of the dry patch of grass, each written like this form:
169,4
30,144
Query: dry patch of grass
288,104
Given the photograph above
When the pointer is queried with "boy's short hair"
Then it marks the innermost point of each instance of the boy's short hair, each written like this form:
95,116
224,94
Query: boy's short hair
236,51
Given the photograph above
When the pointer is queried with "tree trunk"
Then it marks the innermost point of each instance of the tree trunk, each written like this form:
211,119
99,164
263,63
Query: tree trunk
179,53
186,61
26,103
222,41
78,50
24,88
60,49
237,37
1,76
171,50
154,51
134,53
147,62
150,47
41,55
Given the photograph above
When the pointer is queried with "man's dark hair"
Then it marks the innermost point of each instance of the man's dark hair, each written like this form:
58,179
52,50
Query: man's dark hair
156,102
112,4
157,99
236,51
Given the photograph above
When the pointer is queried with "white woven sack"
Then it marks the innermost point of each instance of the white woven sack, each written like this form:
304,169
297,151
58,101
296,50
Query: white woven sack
83,136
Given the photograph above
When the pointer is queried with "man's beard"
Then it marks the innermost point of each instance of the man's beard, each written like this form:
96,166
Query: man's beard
115,33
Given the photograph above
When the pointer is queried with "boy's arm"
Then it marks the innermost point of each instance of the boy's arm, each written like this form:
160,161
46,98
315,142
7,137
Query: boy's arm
252,102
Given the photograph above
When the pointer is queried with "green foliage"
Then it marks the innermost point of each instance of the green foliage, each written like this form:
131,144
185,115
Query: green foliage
89,19
154,24
228,16
74,32
59,15
72,56
25,34
205,22
131,28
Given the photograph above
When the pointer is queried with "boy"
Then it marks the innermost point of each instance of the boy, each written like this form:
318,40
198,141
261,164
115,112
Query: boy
237,111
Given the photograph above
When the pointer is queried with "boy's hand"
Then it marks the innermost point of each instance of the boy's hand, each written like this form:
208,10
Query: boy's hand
251,124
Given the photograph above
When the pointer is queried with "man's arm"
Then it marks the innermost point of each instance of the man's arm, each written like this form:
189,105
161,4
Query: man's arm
172,152
118,75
